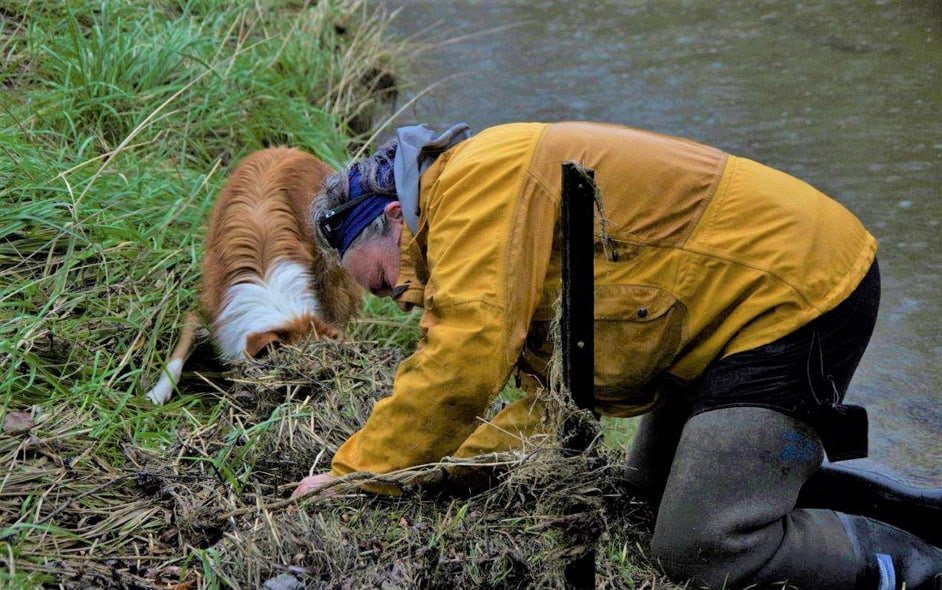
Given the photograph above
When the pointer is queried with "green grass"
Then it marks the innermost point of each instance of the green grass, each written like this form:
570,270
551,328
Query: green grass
118,124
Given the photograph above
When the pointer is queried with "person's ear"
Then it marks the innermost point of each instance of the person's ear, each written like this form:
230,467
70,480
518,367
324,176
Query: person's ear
393,210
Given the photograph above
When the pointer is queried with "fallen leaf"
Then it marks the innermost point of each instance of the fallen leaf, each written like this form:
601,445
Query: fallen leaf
17,423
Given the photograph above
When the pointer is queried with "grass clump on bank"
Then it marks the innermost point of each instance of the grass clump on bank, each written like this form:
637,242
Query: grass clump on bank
118,124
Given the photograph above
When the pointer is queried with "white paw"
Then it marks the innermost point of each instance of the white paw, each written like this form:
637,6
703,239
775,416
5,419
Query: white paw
163,391
159,395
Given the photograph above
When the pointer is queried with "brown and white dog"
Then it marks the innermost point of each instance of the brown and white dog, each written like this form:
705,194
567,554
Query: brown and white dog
264,281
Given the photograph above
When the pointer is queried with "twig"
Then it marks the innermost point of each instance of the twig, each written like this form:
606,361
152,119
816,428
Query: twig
94,490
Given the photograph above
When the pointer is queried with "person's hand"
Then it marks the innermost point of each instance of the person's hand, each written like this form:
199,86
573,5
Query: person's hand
311,484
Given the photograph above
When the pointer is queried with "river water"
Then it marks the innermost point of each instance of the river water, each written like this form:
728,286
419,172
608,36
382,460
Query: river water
845,94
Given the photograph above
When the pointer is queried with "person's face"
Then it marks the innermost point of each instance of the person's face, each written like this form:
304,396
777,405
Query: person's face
375,263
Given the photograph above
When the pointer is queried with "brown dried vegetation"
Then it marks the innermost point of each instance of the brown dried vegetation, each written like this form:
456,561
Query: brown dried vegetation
212,510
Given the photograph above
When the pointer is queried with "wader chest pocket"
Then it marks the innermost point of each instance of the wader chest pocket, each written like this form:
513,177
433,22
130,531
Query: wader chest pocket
637,335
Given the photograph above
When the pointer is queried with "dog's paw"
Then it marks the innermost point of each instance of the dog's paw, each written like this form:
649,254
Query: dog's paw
163,391
157,397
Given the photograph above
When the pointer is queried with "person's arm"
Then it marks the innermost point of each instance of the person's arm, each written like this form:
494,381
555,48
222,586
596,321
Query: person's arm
520,420
488,250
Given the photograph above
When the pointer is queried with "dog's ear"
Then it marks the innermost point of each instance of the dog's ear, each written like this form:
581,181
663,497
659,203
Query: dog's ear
259,344
324,330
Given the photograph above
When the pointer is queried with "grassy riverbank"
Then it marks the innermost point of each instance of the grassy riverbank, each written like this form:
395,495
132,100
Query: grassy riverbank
118,124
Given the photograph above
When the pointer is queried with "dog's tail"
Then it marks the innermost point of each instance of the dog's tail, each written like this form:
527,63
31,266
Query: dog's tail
171,373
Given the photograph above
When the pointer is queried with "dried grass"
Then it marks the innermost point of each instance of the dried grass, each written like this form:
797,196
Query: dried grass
212,510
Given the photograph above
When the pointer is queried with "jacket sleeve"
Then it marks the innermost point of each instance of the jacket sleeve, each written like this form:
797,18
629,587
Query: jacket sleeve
523,419
489,243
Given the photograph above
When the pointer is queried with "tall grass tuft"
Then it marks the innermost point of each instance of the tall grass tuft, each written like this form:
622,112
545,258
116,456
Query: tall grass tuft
118,124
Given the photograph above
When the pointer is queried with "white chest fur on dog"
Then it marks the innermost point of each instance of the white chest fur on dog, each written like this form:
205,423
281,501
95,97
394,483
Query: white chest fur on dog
266,304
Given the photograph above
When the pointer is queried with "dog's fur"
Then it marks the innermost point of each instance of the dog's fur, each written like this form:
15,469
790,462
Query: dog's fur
264,280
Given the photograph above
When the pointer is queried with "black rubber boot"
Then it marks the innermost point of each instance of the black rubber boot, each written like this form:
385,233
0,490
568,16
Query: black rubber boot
894,557
866,493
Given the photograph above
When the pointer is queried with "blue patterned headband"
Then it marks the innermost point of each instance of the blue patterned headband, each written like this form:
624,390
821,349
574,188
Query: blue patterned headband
341,225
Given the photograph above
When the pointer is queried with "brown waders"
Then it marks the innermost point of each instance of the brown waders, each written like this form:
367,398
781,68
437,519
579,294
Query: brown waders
728,515
728,462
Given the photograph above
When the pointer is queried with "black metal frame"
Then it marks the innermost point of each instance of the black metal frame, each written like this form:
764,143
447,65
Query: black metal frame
577,327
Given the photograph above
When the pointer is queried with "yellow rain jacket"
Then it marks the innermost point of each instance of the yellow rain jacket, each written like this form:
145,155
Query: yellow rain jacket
710,254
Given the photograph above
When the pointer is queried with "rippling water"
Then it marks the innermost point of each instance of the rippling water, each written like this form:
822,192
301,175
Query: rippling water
844,94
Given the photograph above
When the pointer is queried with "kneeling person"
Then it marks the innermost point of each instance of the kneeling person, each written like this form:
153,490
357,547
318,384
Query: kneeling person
733,302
